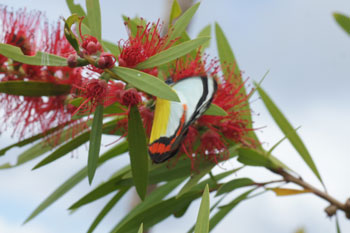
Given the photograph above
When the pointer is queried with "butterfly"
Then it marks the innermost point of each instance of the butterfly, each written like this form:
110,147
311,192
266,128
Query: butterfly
172,119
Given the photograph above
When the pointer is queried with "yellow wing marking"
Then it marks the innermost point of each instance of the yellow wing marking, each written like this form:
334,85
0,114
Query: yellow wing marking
161,119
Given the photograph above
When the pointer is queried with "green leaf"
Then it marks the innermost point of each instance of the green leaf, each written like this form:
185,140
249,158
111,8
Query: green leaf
234,184
155,213
227,208
194,179
337,224
31,139
202,225
113,184
95,141
215,110
205,32
225,52
172,53
227,58
153,198
343,21
39,59
181,24
76,178
175,11
75,8
131,24
33,88
107,208
138,152
140,229
111,47
157,174
94,18
288,131
146,83
40,148
64,149
252,157
70,36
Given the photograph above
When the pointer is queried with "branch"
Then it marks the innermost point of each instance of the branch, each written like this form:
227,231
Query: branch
334,203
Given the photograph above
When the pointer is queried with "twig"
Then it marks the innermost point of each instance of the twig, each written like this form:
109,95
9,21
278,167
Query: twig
334,203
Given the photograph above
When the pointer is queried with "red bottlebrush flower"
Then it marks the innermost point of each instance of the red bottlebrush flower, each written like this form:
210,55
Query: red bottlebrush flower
93,91
31,32
190,66
213,135
146,43
19,29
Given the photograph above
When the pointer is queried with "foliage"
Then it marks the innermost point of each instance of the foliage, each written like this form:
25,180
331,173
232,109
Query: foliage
119,100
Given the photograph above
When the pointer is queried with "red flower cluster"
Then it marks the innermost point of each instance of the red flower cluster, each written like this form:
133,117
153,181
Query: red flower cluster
215,133
144,44
32,114
209,137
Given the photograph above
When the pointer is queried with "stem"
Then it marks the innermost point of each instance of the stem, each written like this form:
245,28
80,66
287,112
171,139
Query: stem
290,178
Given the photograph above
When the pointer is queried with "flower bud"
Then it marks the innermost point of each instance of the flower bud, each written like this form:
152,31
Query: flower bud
106,60
91,47
72,60
130,97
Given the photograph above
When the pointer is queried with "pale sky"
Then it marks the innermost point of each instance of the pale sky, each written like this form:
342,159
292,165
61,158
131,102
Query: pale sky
308,56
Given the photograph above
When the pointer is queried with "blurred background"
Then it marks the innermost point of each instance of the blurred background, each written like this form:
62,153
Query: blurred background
308,56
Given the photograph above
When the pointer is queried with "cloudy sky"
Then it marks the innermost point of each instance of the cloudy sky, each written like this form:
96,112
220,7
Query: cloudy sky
308,56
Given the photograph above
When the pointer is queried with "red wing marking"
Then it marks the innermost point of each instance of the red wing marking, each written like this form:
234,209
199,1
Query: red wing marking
161,148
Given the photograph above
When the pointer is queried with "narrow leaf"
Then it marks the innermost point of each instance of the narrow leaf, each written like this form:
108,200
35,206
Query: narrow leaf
39,59
253,157
33,88
337,224
182,23
131,24
75,8
234,184
228,60
175,11
225,52
64,149
112,48
68,33
172,53
215,110
138,152
75,179
31,139
95,141
287,192
288,131
140,229
107,208
155,213
113,184
227,209
194,179
152,199
202,225
205,32
343,21
146,83
40,148
94,17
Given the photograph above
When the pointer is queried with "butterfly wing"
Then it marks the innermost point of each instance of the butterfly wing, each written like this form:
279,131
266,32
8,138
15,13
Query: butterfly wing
172,119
